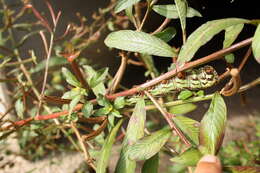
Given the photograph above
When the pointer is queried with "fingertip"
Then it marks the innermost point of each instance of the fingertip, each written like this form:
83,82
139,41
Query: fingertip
209,158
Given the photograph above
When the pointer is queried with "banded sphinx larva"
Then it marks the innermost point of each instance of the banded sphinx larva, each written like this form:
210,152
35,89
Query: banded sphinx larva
194,79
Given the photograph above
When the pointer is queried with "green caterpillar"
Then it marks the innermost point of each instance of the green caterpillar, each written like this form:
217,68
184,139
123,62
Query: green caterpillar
194,79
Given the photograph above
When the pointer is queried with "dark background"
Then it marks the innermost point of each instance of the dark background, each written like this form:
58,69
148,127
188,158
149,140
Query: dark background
209,9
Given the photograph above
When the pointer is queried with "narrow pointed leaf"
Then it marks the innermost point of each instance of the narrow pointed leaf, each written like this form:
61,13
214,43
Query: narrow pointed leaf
231,33
203,34
150,145
135,131
256,44
167,34
106,149
70,78
212,127
129,13
189,127
140,42
151,165
182,6
170,11
123,4
189,157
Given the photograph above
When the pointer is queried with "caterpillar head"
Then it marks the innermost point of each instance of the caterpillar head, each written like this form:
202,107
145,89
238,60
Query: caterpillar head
207,76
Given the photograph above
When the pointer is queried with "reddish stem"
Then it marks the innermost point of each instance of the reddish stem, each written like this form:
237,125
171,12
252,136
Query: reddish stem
214,56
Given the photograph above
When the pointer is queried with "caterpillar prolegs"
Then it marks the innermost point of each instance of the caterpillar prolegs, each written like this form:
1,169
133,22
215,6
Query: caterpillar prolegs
194,79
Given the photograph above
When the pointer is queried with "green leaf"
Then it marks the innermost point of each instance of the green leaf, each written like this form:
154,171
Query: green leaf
96,79
170,11
182,6
189,127
104,155
182,109
167,34
231,33
185,94
189,157
119,102
202,35
87,109
123,4
256,44
129,13
135,131
73,103
136,125
140,42
149,145
230,58
70,78
72,93
212,127
151,165
19,108
148,60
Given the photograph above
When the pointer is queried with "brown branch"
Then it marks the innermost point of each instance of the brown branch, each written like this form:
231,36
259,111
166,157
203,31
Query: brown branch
247,55
233,85
79,75
162,26
167,117
119,74
249,85
214,56
87,156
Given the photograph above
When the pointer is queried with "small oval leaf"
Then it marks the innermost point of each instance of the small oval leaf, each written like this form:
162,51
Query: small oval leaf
256,44
70,78
150,145
212,126
140,42
202,35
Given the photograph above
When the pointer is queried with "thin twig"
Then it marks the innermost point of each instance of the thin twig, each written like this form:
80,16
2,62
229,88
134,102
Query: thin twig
119,74
83,147
247,55
214,56
145,17
46,70
167,117
249,85
162,26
